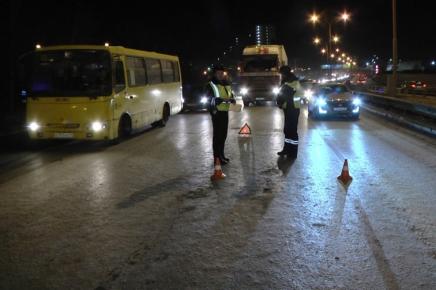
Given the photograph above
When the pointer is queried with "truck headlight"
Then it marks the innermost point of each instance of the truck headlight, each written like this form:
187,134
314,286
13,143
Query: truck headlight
203,100
97,126
34,126
244,91
276,90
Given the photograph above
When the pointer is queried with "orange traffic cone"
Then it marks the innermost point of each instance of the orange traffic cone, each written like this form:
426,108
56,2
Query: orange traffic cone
218,173
245,130
345,177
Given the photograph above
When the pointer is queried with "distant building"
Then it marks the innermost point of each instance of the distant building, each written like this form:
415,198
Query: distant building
265,34
407,66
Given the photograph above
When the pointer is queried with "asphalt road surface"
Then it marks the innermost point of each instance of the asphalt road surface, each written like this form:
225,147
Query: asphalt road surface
143,214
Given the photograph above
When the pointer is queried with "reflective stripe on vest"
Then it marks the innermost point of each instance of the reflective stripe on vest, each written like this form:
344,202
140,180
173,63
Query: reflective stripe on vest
295,85
223,92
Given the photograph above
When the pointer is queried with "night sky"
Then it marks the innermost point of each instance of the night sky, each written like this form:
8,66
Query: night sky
202,31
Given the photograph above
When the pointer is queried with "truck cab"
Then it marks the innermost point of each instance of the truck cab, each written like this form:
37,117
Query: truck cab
259,77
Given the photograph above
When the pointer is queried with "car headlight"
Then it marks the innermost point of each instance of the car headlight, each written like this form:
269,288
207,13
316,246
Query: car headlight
97,126
308,94
357,102
276,90
321,102
34,126
203,100
244,91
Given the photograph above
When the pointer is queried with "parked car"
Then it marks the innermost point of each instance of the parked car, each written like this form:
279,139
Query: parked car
334,100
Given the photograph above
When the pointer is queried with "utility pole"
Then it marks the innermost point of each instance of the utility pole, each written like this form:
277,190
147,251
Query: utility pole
330,50
394,79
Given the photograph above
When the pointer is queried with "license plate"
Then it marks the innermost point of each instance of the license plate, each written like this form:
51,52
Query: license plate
339,109
63,135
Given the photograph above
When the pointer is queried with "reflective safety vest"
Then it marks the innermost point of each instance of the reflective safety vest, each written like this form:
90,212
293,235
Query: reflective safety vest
295,85
223,92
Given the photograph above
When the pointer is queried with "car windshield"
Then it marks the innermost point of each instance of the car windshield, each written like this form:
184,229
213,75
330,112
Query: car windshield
260,63
71,73
333,89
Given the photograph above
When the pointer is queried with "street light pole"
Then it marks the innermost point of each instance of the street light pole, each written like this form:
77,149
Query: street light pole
330,49
394,49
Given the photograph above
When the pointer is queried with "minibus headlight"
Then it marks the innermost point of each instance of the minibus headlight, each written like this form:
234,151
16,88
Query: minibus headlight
97,126
34,126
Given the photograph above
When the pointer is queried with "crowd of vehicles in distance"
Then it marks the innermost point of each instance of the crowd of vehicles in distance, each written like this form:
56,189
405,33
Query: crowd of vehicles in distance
333,99
258,76
412,86
99,92
359,79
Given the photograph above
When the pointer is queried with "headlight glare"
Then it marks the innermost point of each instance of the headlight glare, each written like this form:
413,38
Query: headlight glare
276,90
203,100
97,126
321,102
34,126
308,94
357,102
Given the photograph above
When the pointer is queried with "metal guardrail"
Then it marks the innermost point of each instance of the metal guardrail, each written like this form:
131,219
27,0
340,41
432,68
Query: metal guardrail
400,104
417,116
428,92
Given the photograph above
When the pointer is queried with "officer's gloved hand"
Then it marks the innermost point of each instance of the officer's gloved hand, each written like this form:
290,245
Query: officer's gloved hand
233,101
218,101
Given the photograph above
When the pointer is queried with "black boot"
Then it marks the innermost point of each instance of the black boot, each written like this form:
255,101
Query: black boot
293,151
285,151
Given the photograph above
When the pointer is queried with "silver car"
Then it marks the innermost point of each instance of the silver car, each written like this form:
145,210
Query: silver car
334,100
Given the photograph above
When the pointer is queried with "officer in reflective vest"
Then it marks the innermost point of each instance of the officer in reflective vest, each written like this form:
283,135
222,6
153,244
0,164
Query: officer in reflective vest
219,91
288,99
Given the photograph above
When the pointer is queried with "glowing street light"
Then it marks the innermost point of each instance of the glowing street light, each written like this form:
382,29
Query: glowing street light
345,16
337,50
316,40
332,55
314,18
323,51
335,38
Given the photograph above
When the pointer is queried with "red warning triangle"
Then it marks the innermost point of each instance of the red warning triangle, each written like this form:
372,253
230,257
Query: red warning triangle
245,130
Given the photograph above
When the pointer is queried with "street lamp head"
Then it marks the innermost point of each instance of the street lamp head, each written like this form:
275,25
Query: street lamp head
337,50
335,38
314,18
316,40
323,51
332,55
345,16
